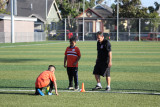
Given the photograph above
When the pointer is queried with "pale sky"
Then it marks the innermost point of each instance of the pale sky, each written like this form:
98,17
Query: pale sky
145,3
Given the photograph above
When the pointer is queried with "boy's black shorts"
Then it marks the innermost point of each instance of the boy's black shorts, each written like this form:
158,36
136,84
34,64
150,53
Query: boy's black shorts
101,69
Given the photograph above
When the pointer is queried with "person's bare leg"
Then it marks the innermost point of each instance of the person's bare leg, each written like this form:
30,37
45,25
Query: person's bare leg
97,78
108,80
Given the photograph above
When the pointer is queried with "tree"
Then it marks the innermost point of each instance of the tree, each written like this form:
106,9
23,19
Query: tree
152,9
72,8
130,9
99,1
153,14
2,6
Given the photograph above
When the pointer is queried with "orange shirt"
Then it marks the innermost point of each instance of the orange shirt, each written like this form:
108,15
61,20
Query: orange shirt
72,54
44,79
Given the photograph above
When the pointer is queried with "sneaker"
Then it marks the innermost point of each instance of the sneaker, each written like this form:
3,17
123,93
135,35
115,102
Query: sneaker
40,92
108,88
70,88
76,88
50,93
97,87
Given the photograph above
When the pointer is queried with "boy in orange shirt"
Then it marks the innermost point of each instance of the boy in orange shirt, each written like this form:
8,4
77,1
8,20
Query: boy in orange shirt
45,79
72,56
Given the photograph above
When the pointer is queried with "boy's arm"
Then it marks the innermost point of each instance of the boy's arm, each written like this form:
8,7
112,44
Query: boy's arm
76,60
55,86
65,59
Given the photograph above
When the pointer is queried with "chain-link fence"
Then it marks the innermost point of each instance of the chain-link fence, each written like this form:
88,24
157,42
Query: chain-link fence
129,30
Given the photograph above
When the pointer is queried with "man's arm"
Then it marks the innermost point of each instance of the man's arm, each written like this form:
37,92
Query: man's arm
55,86
65,59
110,59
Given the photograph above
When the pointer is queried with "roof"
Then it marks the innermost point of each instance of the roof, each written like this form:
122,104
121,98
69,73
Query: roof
33,7
20,18
102,11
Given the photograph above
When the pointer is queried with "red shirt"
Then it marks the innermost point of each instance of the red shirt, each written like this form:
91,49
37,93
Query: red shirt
70,35
44,79
72,55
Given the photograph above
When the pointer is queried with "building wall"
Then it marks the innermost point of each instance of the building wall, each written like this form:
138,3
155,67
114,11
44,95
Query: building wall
24,31
20,26
52,15
1,25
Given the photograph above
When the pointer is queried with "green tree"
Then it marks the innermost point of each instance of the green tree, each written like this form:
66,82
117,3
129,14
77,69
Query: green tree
130,9
72,8
154,23
2,6
99,1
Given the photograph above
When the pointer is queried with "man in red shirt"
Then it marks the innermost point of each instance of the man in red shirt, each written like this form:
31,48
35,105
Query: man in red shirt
72,56
45,79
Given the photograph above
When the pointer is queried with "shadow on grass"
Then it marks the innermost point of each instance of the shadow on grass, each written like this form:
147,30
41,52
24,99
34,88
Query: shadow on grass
18,93
137,90
17,87
17,60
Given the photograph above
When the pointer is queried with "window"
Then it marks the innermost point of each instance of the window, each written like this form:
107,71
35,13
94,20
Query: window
88,26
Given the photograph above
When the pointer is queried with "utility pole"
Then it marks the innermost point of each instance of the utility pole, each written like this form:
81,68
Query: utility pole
12,22
83,17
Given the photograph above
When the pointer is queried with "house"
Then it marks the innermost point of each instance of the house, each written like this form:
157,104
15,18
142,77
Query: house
94,19
158,11
45,11
23,28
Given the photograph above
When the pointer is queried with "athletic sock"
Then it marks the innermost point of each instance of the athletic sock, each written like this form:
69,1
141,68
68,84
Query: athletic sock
108,86
99,84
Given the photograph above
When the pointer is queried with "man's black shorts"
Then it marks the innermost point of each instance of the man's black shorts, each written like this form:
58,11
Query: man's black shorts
101,69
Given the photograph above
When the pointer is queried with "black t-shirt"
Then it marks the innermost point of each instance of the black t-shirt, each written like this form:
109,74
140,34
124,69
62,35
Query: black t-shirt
102,51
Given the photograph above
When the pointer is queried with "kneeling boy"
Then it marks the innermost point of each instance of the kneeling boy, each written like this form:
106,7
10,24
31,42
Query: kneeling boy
45,79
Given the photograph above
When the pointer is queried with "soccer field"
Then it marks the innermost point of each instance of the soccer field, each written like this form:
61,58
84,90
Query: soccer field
135,75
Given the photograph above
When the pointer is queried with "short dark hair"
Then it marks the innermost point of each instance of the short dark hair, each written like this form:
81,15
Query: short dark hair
72,39
100,33
51,66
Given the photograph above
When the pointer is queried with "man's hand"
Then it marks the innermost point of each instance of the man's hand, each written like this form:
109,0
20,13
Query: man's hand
65,66
110,64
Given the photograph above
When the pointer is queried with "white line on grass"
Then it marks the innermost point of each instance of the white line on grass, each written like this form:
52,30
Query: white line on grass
146,93
32,45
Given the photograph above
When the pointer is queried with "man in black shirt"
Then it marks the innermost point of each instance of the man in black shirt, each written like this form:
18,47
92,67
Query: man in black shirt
103,62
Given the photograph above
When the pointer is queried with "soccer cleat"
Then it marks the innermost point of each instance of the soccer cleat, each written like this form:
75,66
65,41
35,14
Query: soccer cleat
97,88
108,88
40,92
70,88
50,93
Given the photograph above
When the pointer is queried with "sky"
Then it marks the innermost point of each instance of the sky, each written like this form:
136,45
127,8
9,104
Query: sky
145,3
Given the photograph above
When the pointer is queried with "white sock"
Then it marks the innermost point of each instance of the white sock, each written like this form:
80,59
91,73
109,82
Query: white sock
108,86
99,84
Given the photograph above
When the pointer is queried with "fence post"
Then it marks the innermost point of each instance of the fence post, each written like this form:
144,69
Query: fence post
139,29
117,20
65,29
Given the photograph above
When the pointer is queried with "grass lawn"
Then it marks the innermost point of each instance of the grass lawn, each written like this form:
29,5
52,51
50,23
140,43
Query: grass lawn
136,68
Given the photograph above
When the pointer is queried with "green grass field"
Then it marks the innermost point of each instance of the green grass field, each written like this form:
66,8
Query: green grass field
135,75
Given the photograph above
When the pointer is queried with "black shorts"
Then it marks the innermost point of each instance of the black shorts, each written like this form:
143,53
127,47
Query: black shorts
101,69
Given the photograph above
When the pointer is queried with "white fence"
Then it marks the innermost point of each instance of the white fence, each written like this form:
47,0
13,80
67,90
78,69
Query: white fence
5,37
